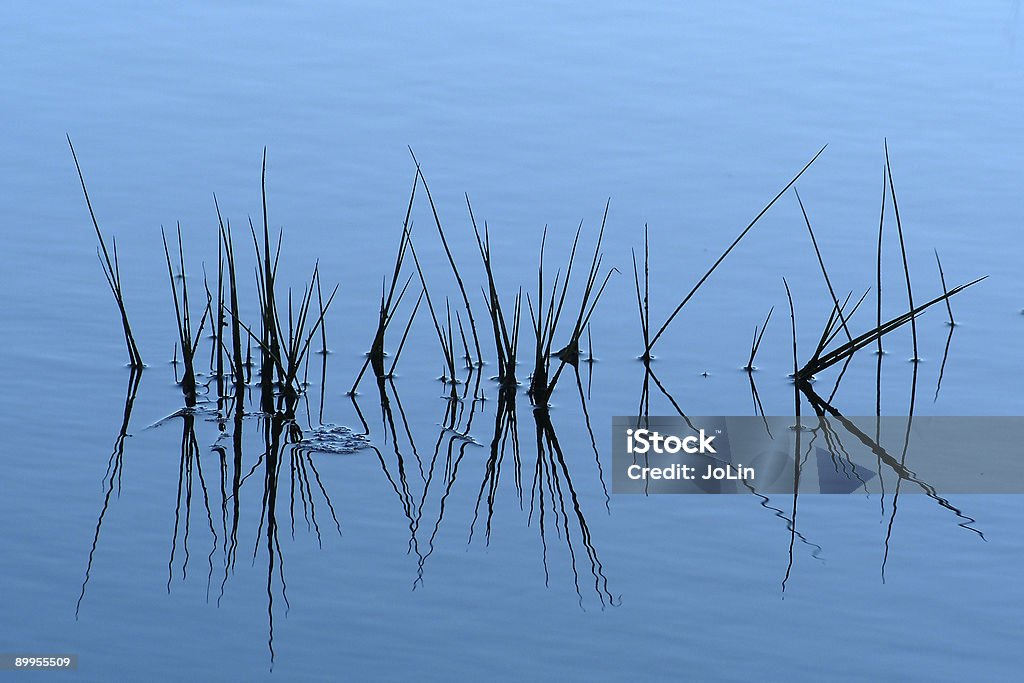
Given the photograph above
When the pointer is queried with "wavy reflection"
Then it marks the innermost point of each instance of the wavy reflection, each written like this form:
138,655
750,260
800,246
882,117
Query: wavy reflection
551,500
284,479
112,477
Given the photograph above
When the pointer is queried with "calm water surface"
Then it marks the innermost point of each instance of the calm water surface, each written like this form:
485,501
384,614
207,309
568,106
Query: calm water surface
690,119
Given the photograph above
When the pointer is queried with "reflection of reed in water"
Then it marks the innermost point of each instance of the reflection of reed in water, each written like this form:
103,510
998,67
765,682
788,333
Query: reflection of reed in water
552,479
554,502
823,408
298,491
112,477
454,437
292,493
823,358
552,492
398,435
190,472
505,438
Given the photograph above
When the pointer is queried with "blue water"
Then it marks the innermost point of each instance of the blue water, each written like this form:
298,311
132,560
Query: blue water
690,118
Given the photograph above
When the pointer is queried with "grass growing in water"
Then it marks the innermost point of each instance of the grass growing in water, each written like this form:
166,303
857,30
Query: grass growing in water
545,323
188,341
451,262
110,271
391,297
686,299
506,343
756,342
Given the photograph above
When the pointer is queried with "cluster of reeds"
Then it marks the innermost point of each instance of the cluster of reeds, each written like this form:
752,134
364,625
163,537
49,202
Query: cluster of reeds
642,288
546,314
825,355
458,336
455,271
390,299
284,345
287,325
445,325
187,341
286,328
506,341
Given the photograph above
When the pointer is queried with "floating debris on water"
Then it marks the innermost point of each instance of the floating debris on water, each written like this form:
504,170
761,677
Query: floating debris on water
336,439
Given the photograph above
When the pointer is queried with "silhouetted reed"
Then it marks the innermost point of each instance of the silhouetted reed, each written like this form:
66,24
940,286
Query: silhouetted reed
942,280
644,310
643,301
686,299
822,360
391,297
323,328
445,336
545,323
451,262
506,342
283,345
878,267
821,264
237,363
952,325
292,342
792,320
188,341
266,273
755,343
108,261
903,252
288,325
